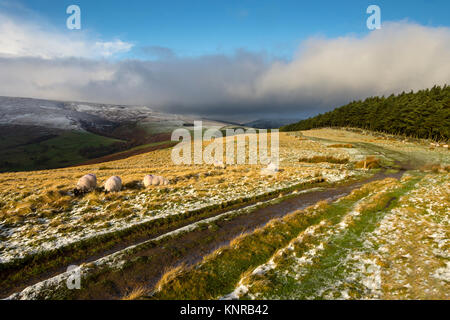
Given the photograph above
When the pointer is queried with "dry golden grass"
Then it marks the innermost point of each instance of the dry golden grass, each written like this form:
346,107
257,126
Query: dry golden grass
368,163
319,159
435,168
50,190
340,145
169,276
137,293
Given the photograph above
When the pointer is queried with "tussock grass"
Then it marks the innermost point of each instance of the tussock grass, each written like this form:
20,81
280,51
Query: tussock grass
368,163
340,145
170,275
329,159
435,168
136,294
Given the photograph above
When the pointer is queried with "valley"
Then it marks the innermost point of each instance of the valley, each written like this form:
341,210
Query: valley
44,134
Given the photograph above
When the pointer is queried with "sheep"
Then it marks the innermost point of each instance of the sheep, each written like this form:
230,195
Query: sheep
86,184
219,164
160,181
113,184
150,180
271,169
445,146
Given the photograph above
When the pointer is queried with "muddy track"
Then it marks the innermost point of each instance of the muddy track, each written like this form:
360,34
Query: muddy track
148,265
133,236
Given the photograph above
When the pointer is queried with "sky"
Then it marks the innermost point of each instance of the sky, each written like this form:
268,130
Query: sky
223,58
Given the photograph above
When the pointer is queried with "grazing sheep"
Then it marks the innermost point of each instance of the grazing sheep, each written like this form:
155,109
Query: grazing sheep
113,184
271,169
86,184
160,181
151,180
148,180
156,181
219,164
445,146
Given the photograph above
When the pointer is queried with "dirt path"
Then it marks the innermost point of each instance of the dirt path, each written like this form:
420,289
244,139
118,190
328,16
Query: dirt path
147,266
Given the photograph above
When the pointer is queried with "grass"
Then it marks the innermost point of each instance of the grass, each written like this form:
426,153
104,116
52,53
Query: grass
389,146
37,209
147,145
368,163
133,255
136,294
219,272
392,250
329,159
20,270
318,279
435,168
24,196
60,151
341,145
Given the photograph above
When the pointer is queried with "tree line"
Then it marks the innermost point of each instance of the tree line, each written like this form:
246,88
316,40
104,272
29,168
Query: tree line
424,114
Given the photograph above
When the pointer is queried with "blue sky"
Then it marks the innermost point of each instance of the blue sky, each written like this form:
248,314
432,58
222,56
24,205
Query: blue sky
192,28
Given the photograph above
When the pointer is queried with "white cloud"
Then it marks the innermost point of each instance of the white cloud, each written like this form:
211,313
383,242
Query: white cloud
22,38
107,49
401,56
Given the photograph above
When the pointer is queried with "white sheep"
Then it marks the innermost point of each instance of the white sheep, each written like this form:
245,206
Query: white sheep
151,180
113,184
86,183
219,164
148,180
271,169
158,180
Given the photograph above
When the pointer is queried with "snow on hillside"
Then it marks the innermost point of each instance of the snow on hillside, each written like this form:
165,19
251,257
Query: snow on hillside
75,115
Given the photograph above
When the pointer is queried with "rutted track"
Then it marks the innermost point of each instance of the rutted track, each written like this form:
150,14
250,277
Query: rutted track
150,263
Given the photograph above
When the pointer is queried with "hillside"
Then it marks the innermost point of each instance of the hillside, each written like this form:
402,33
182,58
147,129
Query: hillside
130,239
424,114
38,134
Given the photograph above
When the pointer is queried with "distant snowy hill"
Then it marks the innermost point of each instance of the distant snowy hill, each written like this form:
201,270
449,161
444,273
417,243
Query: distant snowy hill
43,134
79,115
